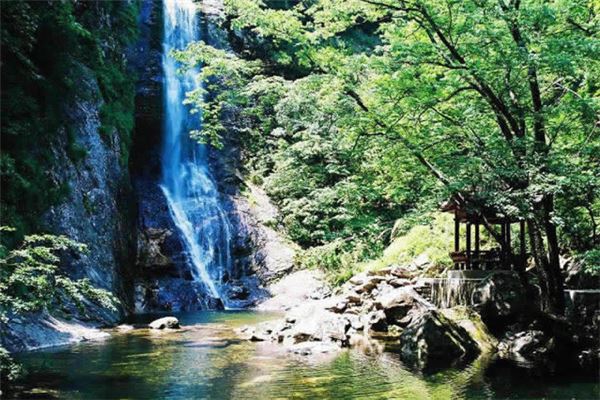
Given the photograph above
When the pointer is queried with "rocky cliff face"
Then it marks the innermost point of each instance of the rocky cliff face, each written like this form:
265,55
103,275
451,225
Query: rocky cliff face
97,210
88,157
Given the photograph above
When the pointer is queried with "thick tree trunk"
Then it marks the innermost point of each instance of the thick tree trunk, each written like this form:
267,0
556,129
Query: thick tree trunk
546,257
554,272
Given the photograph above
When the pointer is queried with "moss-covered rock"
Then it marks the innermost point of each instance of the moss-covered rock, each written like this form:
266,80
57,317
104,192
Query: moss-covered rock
433,341
470,320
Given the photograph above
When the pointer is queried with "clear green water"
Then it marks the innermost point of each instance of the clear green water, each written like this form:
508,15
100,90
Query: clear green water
205,361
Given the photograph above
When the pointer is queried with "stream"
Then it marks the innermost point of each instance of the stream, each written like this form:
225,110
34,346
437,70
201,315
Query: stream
205,360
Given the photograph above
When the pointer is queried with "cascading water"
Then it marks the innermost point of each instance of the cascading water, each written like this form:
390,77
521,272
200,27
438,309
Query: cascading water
187,183
450,292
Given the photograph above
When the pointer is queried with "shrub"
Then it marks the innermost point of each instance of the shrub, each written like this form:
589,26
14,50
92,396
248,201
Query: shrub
591,262
31,280
434,239
339,259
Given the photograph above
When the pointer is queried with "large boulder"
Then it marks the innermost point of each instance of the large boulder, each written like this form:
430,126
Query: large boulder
528,346
433,341
470,321
501,297
400,305
293,289
165,323
576,277
322,326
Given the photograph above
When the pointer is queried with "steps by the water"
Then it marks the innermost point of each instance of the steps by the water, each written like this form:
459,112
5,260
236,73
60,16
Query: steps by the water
456,289
425,287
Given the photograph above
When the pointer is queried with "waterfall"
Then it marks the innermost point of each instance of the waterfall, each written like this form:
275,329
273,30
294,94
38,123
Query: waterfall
187,183
450,292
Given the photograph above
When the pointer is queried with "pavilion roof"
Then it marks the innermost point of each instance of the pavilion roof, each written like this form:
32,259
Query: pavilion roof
464,213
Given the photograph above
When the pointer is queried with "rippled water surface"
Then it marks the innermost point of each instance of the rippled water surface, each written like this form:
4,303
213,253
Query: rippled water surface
205,360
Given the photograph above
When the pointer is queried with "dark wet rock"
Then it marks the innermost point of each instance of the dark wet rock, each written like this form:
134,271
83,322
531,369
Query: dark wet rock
576,276
527,346
165,323
376,320
432,341
151,244
174,294
500,297
238,292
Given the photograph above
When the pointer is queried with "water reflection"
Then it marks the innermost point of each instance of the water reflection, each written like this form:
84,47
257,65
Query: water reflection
205,360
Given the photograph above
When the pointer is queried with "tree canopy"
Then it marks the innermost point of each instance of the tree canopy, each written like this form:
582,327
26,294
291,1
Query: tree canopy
368,110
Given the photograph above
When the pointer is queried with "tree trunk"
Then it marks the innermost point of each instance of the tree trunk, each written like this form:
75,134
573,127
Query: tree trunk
546,257
554,272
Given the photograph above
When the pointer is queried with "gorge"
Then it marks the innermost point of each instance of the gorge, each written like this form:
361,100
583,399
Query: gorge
267,176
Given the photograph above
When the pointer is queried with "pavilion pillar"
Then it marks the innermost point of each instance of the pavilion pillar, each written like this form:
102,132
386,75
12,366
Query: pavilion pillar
456,233
477,246
456,237
468,262
509,256
503,244
522,244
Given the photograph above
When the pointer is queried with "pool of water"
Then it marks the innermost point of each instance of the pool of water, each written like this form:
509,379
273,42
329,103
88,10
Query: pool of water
204,360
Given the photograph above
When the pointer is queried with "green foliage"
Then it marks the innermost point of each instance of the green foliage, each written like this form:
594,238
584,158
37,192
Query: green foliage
339,259
497,102
358,114
31,279
433,240
591,262
9,369
296,144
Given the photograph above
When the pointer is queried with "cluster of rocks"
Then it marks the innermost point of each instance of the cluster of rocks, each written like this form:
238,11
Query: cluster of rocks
373,307
390,308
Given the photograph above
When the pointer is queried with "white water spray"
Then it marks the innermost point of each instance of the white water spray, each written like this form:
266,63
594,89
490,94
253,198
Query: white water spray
187,183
